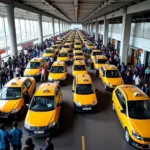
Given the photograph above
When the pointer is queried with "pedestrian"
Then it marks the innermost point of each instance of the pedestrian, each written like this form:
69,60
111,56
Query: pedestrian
15,137
49,144
139,64
147,74
4,138
145,89
29,144
11,74
138,81
17,71
21,70
43,74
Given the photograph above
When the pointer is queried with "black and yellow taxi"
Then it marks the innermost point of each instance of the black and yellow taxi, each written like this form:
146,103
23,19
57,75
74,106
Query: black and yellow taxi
56,48
33,68
79,67
132,107
49,52
94,53
43,116
110,76
84,95
58,72
63,55
15,95
68,47
78,55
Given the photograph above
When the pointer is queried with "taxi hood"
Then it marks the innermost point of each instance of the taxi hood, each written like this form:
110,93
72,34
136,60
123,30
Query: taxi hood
31,71
35,118
141,127
62,58
8,105
115,81
79,72
85,99
57,75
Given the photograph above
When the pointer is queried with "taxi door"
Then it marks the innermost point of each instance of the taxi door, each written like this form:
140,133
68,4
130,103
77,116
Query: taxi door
30,87
120,106
58,102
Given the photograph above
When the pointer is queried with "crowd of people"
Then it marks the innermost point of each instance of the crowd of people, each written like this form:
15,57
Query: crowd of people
13,139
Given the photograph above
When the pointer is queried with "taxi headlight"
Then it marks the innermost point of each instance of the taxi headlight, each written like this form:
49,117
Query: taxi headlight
14,111
52,124
77,103
26,125
136,135
109,84
94,103
50,79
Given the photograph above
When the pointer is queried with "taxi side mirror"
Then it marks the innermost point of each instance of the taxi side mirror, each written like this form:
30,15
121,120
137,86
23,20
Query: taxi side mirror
72,90
122,111
27,105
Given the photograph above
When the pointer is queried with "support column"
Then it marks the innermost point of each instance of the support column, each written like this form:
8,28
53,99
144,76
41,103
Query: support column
116,44
92,32
40,28
12,30
143,57
126,29
106,27
62,27
59,26
89,29
53,26
96,30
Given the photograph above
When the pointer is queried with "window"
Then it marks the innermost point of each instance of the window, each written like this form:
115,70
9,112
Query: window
103,71
2,33
18,32
121,99
28,83
23,30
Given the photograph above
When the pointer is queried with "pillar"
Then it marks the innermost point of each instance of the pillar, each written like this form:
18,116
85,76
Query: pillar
126,28
53,26
143,57
96,30
106,27
92,32
12,30
116,44
59,26
89,28
62,26
40,28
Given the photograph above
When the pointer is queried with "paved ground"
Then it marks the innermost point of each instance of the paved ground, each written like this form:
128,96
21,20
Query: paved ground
101,130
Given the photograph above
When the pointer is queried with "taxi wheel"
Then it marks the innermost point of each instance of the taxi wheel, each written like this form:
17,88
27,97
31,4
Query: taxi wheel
127,137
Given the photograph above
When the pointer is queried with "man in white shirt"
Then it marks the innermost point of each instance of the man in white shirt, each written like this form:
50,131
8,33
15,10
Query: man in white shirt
43,74
17,71
137,81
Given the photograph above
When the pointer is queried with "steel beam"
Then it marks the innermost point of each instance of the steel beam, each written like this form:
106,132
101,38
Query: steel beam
76,9
143,6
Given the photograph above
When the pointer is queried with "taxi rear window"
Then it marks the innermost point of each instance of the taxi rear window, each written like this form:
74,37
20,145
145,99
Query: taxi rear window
79,67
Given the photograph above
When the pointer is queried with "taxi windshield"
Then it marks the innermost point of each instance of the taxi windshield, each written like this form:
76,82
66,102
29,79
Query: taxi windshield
66,46
139,109
42,103
77,48
11,93
77,43
57,69
84,89
101,61
78,54
112,74
54,47
96,53
33,65
79,67
90,45
62,54
49,51
58,42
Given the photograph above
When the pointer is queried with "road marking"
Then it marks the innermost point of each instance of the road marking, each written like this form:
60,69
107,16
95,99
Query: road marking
83,142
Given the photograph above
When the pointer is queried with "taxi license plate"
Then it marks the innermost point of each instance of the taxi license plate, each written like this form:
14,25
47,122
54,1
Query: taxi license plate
56,81
38,132
88,108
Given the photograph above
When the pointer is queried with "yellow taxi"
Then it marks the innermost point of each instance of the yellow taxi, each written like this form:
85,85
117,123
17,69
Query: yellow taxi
33,68
50,52
94,53
15,95
84,96
67,46
58,72
56,48
63,56
42,118
59,43
132,107
90,46
77,45
110,76
98,62
78,55
79,67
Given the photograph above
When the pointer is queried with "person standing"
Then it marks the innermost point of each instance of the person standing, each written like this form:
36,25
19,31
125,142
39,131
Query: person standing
145,88
15,137
43,72
17,70
138,81
4,138
147,74
49,144
29,144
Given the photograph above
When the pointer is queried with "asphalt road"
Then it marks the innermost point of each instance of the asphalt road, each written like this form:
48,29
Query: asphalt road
86,131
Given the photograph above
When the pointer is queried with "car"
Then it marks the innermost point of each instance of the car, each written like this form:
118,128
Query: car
56,48
99,61
33,68
14,97
58,72
90,46
79,67
110,76
44,111
78,45
94,53
59,43
67,47
63,55
84,95
50,52
132,107
78,55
